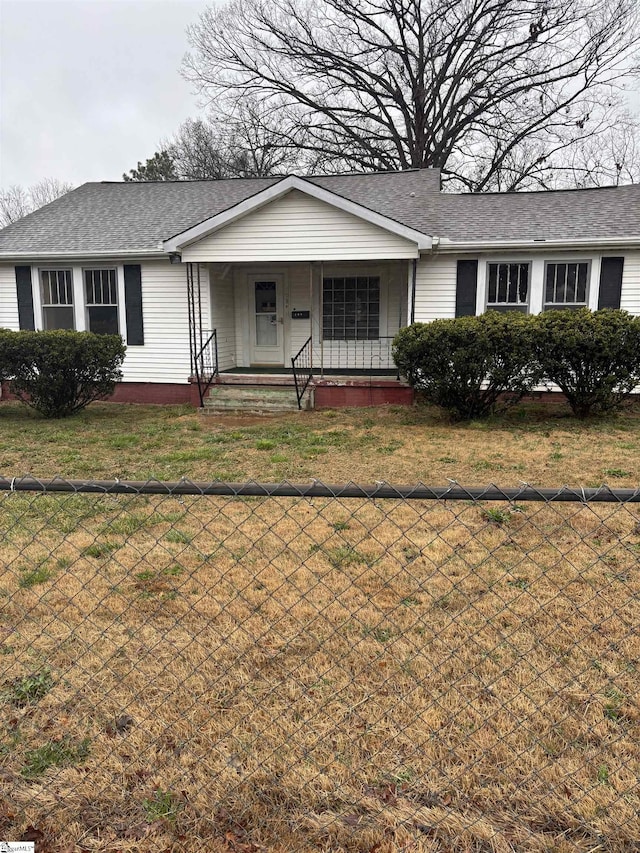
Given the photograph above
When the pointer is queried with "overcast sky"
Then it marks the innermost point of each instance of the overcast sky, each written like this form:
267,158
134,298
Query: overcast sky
89,87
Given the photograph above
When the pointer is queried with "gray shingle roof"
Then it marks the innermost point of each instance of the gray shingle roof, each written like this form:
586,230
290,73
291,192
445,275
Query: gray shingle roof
557,215
128,217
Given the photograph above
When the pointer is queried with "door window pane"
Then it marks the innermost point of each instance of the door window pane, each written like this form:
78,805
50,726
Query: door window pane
266,314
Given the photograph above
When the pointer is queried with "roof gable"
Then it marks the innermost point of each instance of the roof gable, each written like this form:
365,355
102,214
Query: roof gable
277,191
298,226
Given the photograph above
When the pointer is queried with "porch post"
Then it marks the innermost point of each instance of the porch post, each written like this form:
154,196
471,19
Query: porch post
320,323
411,293
311,311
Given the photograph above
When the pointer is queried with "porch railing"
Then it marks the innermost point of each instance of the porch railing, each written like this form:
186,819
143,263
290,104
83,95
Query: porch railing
301,366
206,363
366,356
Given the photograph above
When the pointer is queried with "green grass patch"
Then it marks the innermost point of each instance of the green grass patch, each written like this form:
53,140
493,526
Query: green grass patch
163,805
344,556
34,577
54,753
28,689
99,549
178,537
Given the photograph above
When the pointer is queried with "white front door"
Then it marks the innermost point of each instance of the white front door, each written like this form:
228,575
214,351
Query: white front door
266,320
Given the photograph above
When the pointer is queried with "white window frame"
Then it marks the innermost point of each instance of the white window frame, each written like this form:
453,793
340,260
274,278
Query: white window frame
101,268
567,262
483,287
38,291
537,265
79,307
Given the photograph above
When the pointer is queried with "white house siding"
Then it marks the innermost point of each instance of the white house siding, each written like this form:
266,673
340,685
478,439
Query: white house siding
165,355
435,295
630,300
436,280
223,315
299,300
298,227
8,298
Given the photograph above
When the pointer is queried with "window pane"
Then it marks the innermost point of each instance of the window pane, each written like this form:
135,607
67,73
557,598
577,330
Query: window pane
566,284
581,290
493,275
57,317
57,287
508,285
103,320
550,284
100,287
570,289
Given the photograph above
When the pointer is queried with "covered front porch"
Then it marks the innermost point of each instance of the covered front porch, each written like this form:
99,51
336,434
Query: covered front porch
322,329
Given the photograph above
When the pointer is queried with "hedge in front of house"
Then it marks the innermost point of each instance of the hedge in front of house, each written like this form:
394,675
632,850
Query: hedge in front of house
470,366
60,372
592,356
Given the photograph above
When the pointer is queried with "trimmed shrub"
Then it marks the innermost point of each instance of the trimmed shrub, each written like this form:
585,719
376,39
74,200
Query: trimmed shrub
470,366
592,356
58,373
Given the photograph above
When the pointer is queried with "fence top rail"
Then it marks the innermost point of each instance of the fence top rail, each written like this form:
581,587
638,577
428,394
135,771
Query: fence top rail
316,489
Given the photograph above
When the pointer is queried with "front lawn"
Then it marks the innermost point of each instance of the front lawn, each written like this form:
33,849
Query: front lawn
538,444
274,674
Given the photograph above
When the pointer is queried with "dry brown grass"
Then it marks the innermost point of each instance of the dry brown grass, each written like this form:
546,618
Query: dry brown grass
320,675
537,444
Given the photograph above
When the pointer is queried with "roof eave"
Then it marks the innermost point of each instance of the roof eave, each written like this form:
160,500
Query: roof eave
446,245
72,256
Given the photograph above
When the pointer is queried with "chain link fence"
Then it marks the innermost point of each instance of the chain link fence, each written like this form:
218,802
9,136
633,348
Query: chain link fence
274,667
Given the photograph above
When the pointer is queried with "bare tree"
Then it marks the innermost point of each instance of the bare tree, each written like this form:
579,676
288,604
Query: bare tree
497,93
236,145
16,201
14,204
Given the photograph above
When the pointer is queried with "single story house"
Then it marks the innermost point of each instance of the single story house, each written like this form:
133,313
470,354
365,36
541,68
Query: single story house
278,281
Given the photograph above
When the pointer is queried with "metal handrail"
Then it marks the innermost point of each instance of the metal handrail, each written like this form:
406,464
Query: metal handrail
206,364
302,369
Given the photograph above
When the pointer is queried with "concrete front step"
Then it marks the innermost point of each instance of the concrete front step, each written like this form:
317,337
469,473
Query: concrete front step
256,379
243,398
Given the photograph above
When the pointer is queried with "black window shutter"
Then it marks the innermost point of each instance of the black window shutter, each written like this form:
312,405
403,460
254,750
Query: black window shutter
25,298
133,304
466,287
610,282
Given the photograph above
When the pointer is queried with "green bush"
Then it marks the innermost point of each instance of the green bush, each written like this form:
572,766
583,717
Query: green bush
60,372
470,366
592,356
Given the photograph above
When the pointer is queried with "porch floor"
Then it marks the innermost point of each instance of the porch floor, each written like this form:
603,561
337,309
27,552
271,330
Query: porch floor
317,374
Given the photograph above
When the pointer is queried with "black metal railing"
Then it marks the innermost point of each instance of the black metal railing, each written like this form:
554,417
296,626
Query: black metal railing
366,356
206,363
301,365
